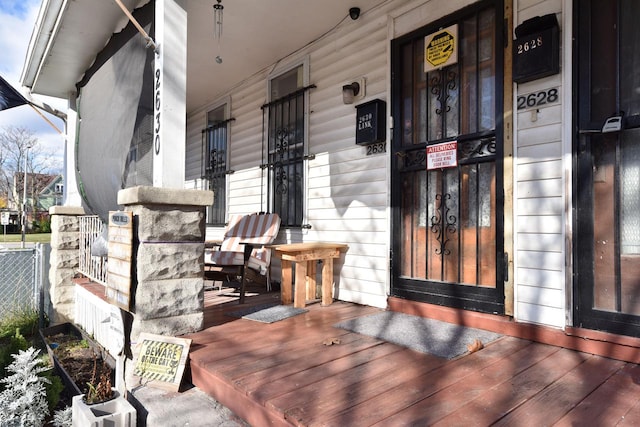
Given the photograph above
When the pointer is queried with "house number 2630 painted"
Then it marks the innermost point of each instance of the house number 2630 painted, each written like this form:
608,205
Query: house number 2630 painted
377,148
157,105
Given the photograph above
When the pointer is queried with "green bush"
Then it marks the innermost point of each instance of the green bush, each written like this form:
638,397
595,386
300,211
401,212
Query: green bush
10,346
41,226
24,319
13,329
54,388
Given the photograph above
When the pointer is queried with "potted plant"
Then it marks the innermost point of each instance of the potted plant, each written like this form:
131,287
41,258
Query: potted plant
77,358
99,388
102,405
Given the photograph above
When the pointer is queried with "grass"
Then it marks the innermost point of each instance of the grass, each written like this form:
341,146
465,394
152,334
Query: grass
24,319
29,238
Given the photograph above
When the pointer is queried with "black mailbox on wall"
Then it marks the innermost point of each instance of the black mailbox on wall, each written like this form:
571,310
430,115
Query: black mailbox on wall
370,122
536,49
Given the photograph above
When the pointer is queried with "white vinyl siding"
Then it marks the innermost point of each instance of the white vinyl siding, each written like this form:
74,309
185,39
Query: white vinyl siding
346,190
540,195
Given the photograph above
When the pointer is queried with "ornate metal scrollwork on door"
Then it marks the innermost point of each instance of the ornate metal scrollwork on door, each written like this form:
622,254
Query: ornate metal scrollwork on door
282,147
442,88
443,223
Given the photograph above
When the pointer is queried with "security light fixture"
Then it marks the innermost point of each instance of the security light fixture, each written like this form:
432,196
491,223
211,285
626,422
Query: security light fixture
349,92
354,13
353,91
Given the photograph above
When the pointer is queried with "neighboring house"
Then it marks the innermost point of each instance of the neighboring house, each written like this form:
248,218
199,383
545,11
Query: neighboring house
42,192
471,170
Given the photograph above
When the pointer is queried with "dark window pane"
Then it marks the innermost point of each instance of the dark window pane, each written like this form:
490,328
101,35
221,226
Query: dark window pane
216,164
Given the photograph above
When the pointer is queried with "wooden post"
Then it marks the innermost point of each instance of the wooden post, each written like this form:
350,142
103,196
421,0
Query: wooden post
311,280
286,295
301,276
327,281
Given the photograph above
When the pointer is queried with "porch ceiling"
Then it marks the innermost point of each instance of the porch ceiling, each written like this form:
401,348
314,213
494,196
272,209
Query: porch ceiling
68,35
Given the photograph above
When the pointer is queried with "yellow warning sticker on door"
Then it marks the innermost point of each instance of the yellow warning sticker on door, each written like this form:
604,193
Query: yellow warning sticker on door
441,48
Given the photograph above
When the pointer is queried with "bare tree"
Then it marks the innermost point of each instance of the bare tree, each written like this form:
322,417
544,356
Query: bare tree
16,145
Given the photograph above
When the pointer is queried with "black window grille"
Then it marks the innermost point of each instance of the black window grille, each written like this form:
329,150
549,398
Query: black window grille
285,155
214,169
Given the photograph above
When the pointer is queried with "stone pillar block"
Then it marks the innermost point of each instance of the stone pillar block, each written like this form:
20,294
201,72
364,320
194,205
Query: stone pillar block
169,231
64,261
167,261
167,298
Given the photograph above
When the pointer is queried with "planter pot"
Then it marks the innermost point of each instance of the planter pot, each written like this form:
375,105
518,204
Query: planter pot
115,412
48,336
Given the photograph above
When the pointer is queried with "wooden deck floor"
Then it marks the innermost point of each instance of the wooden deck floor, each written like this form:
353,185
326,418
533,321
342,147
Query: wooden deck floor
283,374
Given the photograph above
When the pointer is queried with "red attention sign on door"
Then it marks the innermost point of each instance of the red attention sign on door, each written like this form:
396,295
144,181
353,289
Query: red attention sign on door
440,156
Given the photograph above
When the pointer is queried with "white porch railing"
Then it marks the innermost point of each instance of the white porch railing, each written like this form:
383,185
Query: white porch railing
92,267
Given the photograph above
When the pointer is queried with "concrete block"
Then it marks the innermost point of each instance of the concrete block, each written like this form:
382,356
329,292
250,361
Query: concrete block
65,240
163,223
117,413
170,326
160,261
64,224
167,298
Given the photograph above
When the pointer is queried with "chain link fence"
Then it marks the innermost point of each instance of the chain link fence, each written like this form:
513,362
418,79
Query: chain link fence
24,279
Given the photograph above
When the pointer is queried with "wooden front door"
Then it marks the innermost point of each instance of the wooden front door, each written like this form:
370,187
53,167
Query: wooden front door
447,222
607,253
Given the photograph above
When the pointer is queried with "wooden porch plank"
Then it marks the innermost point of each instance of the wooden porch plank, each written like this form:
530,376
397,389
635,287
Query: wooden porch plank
275,344
299,361
246,336
354,385
449,400
241,405
309,352
399,396
610,403
552,403
500,400
631,418
303,377
287,377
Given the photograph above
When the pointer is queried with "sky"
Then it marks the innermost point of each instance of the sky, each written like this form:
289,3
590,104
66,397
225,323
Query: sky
17,18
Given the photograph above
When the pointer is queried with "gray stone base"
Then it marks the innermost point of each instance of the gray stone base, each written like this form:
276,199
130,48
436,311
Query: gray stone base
64,262
169,326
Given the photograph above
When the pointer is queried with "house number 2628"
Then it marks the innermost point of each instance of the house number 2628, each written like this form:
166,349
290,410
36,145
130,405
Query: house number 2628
528,45
538,99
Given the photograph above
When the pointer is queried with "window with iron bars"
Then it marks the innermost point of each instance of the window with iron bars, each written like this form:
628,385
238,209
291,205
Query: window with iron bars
214,168
285,156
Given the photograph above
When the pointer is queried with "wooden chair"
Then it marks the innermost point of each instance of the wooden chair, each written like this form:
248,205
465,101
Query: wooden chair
242,250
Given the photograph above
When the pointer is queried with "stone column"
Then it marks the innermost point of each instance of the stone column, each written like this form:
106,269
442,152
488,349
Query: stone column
169,231
64,261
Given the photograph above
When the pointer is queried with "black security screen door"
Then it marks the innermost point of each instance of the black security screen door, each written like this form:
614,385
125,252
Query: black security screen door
607,283
447,221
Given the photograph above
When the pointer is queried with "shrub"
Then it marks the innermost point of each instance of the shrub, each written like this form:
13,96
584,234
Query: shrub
41,226
62,418
54,387
23,318
9,347
23,401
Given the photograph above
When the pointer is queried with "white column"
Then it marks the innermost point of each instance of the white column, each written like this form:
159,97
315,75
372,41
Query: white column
71,193
170,77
